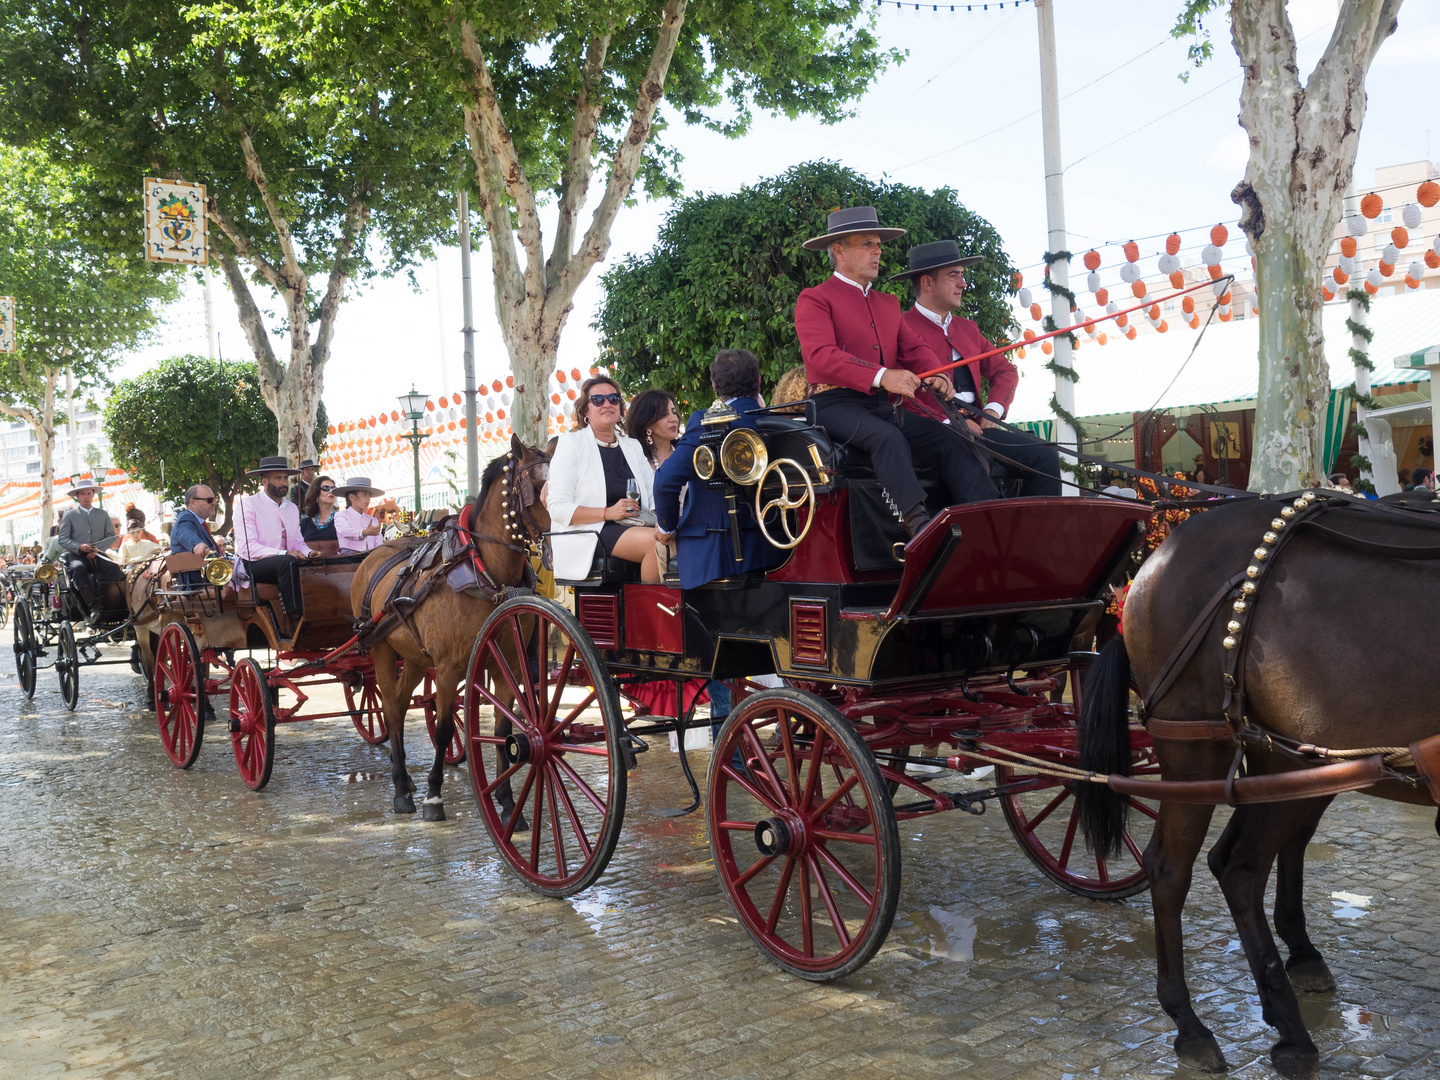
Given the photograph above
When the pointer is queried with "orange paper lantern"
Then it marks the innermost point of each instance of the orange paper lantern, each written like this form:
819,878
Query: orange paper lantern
384,418
1130,334
1046,348
1035,312
1172,244
1163,326
1400,237
575,374
1226,298
1215,272
1092,260
1187,305
1218,235
1132,251
1325,292
1020,353
1386,269
1428,193
489,418
1432,260
555,399
559,375
1154,311
444,402
1139,290
498,385
1019,280
1348,246
510,379
1101,338
1177,280
331,429
1340,276
1226,316
1029,335
450,426
499,414
1371,205
1371,289
1122,321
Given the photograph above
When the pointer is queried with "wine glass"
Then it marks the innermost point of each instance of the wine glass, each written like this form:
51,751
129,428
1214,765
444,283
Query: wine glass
632,491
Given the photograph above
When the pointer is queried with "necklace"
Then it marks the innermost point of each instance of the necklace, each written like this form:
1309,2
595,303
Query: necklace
607,445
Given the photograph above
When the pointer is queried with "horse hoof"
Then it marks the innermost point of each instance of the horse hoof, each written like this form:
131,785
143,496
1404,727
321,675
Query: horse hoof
1201,1052
433,810
404,804
1295,1062
520,826
1311,976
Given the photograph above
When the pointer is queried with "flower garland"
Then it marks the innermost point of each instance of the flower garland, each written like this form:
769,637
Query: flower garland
1053,366
1361,358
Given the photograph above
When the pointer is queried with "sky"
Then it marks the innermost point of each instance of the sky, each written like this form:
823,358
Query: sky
1145,153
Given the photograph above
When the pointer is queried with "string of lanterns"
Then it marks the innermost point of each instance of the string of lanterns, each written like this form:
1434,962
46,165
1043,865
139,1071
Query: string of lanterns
1411,215
1000,5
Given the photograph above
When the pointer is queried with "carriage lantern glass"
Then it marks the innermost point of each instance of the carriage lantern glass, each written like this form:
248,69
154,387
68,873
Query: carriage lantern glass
412,408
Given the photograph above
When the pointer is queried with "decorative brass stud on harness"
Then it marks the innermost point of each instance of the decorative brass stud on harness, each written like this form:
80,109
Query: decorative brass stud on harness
1261,554
1233,626
1287,512
1230,643
1249,587
1277,523
1252,571
1240,607
1270,537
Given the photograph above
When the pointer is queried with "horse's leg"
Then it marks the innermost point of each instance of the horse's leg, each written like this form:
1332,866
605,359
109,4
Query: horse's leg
1169,862
1306,967
395,690
1241,861
447,681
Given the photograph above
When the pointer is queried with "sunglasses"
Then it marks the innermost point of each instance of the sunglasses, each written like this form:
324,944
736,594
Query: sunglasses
603,399
199,498
327,487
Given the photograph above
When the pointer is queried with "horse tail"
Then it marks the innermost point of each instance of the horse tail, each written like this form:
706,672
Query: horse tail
1103,739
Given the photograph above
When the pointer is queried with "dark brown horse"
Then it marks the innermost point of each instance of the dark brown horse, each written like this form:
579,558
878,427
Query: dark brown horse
1328,651
442,629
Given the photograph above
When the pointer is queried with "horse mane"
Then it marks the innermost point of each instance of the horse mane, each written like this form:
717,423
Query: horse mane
492,472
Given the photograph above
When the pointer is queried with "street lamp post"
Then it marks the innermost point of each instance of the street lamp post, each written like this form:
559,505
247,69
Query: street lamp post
412,408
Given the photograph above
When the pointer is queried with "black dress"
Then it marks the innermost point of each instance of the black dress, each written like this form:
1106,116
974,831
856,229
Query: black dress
617,472
311,531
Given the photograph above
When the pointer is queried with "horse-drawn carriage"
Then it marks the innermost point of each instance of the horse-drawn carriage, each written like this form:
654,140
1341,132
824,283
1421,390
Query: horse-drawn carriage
900,678
51,613
194,631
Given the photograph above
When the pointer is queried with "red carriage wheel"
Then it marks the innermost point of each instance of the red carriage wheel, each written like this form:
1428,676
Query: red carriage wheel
179,695
455,752
1042,814
367,709
543,731
252,724
803,834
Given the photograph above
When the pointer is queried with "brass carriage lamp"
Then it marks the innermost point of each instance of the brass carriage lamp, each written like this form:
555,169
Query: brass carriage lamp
412,408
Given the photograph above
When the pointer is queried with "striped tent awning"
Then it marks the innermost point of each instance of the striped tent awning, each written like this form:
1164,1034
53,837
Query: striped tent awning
1420,359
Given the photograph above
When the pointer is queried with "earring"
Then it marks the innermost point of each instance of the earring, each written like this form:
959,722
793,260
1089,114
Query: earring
649,439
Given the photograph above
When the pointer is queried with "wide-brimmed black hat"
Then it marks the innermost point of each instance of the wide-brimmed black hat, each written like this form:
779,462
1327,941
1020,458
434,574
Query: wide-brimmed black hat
927,258
857,219
308,464
272,464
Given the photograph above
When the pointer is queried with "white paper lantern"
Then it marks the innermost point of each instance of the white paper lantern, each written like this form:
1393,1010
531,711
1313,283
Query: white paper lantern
1111,308
1416,269
1167,263
1092,281
1249,248
1391,254
1373,279
1222,309
1219,286
1356,225
1210,255
1024,298
506,397
1347,263
1435,247
1129,273
1410,214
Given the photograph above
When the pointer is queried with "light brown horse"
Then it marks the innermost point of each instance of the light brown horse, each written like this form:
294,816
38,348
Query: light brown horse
441,631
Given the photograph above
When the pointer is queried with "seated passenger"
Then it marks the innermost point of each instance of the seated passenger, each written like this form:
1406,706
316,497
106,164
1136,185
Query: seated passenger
937,273
858,351
655,420
588,497
704,548
190,530
356,528
268,545
86,536
317,516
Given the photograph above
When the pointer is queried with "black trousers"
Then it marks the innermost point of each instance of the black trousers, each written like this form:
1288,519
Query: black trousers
1024,449
892,434
89,573
282,571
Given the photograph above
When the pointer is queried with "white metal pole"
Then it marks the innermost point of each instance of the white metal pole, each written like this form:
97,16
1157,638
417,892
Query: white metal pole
472,445
1055,216
210,336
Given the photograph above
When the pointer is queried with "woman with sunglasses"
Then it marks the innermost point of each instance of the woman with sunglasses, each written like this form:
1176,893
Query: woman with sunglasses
598,479
317,516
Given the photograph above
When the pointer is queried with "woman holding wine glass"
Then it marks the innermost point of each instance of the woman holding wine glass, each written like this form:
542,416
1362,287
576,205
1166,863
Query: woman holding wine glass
599,484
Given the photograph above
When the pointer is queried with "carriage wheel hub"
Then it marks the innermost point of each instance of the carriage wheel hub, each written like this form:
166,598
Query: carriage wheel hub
518,748
779,835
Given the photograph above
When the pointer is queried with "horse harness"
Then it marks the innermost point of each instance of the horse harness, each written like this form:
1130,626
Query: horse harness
1304,512
451,555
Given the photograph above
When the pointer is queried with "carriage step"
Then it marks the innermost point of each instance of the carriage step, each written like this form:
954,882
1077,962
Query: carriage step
630,746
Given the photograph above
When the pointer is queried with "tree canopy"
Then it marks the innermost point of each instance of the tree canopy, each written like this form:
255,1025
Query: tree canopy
726,271
78,307
190,420
328,164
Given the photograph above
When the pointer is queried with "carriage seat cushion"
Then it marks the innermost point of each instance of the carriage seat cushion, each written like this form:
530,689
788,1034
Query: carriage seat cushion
606,570
181,562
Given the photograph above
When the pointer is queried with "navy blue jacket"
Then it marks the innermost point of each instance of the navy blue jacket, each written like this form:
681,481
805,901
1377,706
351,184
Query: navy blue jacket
186,531
703,547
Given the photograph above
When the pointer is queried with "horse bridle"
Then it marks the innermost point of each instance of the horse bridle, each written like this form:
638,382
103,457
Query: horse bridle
518,499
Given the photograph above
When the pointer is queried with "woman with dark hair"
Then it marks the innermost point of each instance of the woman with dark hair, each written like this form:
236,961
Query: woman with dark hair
317,516
599,478
1201,475
654,420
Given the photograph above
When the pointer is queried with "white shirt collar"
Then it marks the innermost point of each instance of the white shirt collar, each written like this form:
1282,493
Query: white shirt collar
864,289
938,320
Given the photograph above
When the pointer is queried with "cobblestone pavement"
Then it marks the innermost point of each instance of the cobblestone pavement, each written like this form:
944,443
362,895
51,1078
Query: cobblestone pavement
159,923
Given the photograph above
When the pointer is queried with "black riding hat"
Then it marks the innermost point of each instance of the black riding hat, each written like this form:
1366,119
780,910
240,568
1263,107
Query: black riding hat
272,464
857,219
927,258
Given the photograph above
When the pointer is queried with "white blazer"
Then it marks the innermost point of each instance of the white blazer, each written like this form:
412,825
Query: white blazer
577,478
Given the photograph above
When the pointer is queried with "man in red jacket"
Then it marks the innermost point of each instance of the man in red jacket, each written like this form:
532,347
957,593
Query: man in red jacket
858,351
937,273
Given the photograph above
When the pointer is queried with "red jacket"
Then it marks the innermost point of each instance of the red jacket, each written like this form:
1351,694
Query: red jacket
965,338
846,336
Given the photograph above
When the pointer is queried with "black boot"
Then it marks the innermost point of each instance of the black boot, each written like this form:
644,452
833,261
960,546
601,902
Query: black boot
915,519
